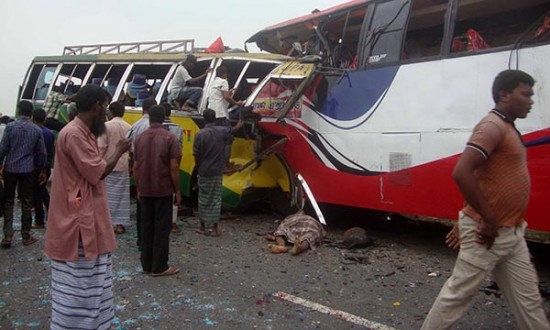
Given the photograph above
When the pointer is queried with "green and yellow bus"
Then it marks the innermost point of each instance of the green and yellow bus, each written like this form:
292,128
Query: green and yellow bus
113,67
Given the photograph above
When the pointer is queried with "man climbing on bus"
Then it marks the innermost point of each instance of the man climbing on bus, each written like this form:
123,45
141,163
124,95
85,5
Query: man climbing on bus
493,177
52,104
185,95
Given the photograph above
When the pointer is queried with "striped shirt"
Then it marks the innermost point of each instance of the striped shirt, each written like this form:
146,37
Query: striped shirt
174,129
504,178
22,148
139,127
53,101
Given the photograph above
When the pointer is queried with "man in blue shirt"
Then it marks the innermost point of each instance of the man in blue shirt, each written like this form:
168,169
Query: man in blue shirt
41,196
22,150
210,160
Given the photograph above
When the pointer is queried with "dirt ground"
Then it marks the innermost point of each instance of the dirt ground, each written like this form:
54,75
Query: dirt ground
233,282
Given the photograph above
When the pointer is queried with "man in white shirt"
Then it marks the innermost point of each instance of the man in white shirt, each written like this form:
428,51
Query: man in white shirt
220,97
186,96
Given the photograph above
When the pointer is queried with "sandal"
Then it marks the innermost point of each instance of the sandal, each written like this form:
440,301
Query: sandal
202,232
29,241
6,242
168,272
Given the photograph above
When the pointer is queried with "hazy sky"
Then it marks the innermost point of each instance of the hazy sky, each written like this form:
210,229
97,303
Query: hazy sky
32,28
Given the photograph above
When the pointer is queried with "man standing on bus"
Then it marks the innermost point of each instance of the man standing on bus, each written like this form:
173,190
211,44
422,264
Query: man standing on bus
186,96
493,177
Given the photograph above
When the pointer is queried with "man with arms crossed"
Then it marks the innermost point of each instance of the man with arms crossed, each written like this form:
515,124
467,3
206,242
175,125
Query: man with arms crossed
79,238
493,178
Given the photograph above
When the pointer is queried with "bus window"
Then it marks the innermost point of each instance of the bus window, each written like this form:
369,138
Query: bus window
425,30
243,76
70,77
335,40
255,73
273,96
234,70
384,32
142,81
107,76
198,70
38,82
492,23
316,92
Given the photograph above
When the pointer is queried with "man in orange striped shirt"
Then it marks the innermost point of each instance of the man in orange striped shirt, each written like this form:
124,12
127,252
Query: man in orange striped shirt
493,178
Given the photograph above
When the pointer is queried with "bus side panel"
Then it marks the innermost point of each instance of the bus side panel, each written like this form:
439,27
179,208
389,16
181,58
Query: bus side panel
396,153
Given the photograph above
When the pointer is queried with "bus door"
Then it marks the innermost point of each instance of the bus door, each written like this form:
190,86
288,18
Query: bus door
383,32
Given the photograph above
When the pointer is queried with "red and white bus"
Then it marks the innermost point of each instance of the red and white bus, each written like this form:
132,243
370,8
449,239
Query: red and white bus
382,96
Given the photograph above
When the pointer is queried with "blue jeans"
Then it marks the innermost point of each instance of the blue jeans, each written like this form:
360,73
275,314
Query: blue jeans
191,95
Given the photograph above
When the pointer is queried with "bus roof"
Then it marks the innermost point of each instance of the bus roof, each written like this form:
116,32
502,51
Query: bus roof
264,38
153,57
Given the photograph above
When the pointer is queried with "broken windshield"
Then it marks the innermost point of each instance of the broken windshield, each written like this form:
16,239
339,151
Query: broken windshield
272,97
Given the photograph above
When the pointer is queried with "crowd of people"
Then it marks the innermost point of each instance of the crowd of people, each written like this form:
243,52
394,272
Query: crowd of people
93,161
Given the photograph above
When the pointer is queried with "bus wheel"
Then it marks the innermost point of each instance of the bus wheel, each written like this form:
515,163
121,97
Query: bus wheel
281,203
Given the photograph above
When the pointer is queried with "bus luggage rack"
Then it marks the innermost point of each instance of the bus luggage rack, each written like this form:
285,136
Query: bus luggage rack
172,46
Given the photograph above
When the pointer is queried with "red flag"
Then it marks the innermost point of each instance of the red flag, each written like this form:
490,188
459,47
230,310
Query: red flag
216,47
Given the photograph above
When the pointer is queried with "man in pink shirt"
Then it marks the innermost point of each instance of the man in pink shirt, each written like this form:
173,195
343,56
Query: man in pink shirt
79,237
118,182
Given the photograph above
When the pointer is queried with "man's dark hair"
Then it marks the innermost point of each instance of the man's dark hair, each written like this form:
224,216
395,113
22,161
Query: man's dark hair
117,109
221,71
167,109
190,59
4,119
508,80
209,115
89,95
156,114
25,108
148,103
39,115
59,89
